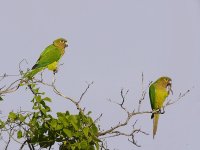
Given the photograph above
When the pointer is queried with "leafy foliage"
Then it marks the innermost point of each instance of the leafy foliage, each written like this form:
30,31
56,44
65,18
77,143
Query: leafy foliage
40,128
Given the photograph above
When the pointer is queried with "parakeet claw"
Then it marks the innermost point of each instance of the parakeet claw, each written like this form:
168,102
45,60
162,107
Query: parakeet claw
55,71
162,112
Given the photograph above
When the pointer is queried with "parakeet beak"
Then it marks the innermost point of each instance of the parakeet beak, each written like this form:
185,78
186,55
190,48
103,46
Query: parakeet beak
66,44
169,86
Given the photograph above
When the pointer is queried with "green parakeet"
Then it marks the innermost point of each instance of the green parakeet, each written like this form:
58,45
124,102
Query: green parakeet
49,57
158,92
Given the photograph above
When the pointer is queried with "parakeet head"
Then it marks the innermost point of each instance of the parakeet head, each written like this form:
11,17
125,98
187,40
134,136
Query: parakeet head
165,82
61,43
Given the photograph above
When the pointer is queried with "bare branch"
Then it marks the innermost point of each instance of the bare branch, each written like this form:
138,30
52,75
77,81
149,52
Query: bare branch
23,144
96,120
68,98
115,130
123,96
88,86
9,138
170,102
11,88
144,92
20,63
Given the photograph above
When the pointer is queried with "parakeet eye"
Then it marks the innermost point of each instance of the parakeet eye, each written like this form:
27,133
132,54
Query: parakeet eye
166,80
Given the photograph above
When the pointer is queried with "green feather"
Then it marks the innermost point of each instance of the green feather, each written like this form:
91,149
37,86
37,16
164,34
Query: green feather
48,56
152,95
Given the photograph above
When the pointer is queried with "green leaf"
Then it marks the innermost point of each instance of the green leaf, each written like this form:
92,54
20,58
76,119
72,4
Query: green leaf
84,145
19,134
68,132
73,147
12,116
44,111
2,124
53,123
94,129
89,120
89,113
67,113
38,98
96,139
74,121
21,118
86,131
97,145
47,108
62,119
35,107
59,127
1,98
47,99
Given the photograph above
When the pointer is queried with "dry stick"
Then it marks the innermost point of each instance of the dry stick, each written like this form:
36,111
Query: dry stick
57,91
96,120
9,139
11,136
143,93
89,84
11,88
123,96
8,75
68,98
23,144
19,66
170,102
113,131
129,116
104,145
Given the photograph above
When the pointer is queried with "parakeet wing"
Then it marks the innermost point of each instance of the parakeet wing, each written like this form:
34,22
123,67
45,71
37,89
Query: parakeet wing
152,94
48,56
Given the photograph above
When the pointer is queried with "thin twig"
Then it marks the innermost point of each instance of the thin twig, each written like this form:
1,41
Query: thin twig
23,144
96,120
170,102
20,69
9,138
123,96
88,86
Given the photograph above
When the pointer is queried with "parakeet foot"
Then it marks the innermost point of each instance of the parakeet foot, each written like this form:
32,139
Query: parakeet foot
55,71
162,112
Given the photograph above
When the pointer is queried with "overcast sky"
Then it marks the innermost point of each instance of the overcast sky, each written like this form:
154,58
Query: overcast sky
111,42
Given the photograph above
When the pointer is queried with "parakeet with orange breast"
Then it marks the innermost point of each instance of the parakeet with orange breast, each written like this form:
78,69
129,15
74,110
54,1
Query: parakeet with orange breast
49,57
158,92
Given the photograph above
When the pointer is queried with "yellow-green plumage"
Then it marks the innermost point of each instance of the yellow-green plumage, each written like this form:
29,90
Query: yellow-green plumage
158,92
49,57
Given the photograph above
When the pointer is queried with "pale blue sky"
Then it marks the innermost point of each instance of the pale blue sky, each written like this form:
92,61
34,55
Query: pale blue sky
111,42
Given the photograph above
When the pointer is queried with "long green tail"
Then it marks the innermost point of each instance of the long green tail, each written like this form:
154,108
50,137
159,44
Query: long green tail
155,123
33,72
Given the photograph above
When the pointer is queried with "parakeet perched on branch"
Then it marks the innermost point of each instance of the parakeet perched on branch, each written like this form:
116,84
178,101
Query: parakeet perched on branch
158,92
49,58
